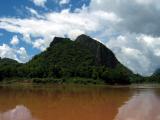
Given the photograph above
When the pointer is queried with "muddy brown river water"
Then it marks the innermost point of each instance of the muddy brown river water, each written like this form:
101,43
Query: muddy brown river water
79,103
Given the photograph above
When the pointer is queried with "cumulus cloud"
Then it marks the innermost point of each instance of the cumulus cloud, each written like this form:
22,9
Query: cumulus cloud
18,54
14,40
139,16
58,24
33,12
140,53
22,55
40,44
64,2
147,2
135,39
39,2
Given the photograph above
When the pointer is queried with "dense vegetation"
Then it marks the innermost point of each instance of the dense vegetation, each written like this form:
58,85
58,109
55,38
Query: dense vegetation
81,61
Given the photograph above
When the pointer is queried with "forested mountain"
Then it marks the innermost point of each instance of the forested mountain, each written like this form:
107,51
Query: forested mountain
155,77
8,68
157,72
64,58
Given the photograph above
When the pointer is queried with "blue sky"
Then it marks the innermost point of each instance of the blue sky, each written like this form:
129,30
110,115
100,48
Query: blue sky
17,8
130,28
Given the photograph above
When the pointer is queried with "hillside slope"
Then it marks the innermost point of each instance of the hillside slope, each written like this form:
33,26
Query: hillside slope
84,57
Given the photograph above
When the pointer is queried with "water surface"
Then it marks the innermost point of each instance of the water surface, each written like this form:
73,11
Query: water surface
79,103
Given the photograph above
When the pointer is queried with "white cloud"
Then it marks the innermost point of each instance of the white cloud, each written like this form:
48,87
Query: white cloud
149,41
136,38
18,54
108,16
74,33
139,52
22,53
33,12
14,40
64,2
40,44
139,16
6,51
147,2
58,24
40,2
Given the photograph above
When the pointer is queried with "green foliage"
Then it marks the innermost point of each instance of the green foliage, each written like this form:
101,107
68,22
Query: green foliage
70,59
120,75
8,68
153,78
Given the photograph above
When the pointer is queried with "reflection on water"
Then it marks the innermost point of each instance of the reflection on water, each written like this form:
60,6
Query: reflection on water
18,113
142,106
66,103
79,103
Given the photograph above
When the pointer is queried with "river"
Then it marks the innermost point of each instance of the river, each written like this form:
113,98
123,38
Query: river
79,103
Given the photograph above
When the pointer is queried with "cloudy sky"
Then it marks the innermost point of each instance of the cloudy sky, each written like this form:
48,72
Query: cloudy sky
130,28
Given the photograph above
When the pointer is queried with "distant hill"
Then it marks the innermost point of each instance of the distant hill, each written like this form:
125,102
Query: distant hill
64,58
8,67
7,61
157,72
155,77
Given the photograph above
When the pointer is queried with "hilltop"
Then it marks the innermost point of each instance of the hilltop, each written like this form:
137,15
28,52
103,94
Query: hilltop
64,59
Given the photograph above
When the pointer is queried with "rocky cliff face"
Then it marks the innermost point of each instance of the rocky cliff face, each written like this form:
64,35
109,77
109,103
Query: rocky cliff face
57,40
103,56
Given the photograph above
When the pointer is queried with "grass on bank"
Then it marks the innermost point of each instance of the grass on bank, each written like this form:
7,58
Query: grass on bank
75,80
